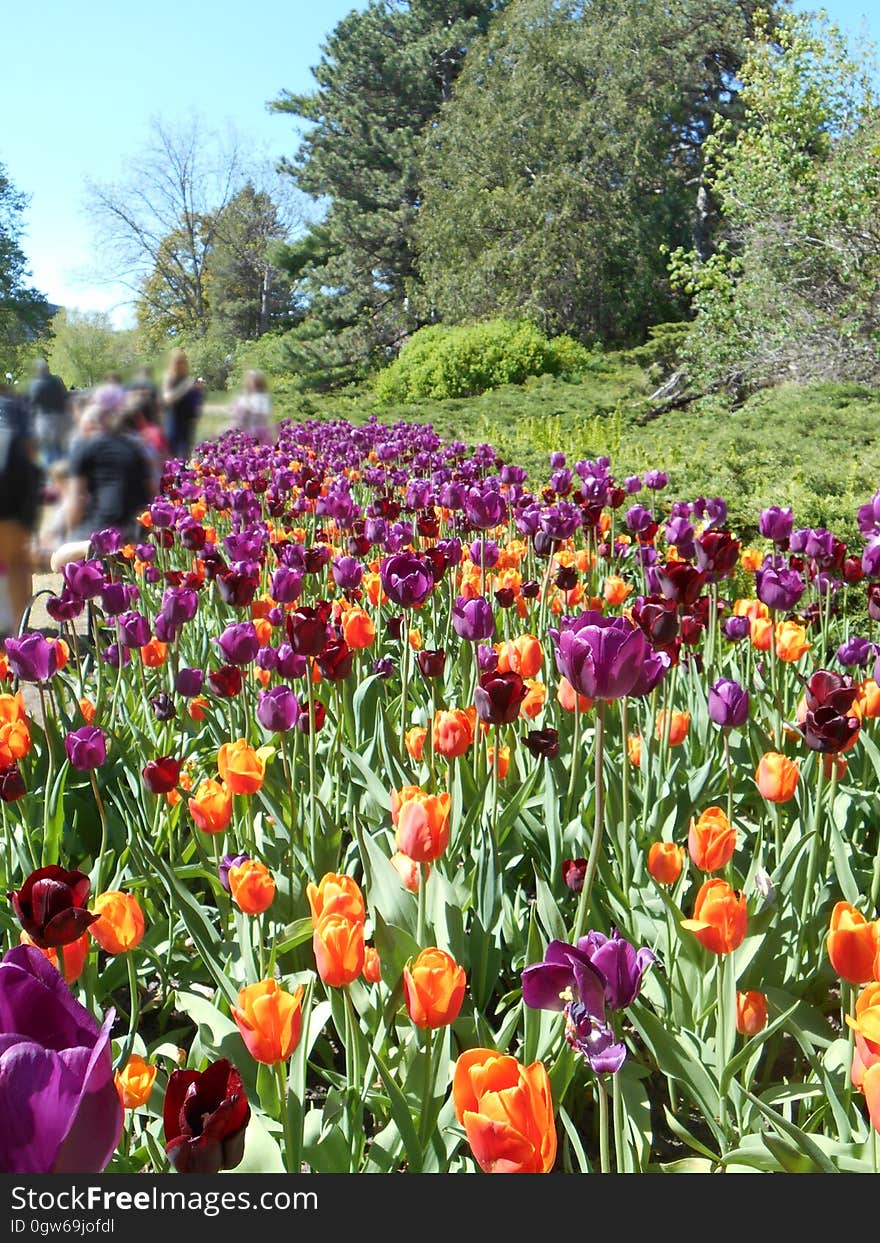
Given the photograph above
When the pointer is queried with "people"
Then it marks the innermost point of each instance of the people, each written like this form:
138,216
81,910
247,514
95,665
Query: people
48,398
111,477
252,409
182,401
20,488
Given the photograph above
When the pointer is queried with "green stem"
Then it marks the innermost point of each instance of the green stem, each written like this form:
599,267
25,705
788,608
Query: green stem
604,1152
598,821
618,1114
427,1088
281,1078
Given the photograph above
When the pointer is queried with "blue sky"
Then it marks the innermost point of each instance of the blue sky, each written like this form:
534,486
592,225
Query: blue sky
79,84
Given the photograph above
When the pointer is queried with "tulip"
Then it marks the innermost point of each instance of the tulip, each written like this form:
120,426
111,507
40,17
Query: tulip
252,886
523,655
372,971
506,1110
240,767
205,1116
338,945
278,709
336,894
791,641
422,822
50,906
86,748
409,871
406,580
239,643
61,1110
751,1013
120,926
211,806
336,660
719,918
542,743
75,955
473,619
307,629
188,682
161,776
269,1020
601,657
779,589
776,777
776,524
433,989
453,733
225,681
711,840
728,704
679,724
574,873
358,629
665,862
498,697
134,1082
32,658
852,943
414,740
634,750
227,862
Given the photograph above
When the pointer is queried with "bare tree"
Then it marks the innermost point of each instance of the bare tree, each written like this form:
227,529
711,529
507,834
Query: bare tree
156,227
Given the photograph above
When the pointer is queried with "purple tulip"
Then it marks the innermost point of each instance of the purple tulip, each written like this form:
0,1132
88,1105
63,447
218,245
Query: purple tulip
84,579
61,1110
188,682
114,598
473,619
776,524
656,479
286,585
484,509
133,629
239,643
632,484
736,629
871,558
602,657
179,605
728,703
406,579
107,542
778,588
278,709
347,573
32,658
856,651
86,748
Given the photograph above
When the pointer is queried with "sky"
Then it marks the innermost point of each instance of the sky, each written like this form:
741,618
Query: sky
79,85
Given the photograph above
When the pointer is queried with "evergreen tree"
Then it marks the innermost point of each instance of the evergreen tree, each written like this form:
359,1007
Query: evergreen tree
24,313
383,76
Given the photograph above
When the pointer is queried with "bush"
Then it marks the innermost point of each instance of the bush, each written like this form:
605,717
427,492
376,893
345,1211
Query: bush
441,361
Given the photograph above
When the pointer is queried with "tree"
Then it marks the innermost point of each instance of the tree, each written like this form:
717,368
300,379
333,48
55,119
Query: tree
569,154
85,346
383,74
158,226
249,293
24,312
793,292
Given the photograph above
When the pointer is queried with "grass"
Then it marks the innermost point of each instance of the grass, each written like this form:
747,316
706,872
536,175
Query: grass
816,448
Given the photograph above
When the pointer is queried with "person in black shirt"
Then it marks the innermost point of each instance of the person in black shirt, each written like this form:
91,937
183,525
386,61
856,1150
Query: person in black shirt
111,478
20,485
48,398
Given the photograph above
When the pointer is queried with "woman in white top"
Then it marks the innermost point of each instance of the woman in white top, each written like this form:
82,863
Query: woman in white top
252,409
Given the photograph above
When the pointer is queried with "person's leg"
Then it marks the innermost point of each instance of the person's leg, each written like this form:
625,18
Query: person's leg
15,553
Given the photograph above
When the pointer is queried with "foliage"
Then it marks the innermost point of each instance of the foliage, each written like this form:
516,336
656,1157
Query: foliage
24,312
440,361
569,153
84,346
799,191
384,73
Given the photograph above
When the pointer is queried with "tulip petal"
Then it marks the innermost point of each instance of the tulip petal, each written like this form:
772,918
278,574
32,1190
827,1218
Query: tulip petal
544,982
498,1148
40,1091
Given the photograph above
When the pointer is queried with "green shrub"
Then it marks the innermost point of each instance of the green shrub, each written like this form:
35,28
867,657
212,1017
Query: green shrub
440,361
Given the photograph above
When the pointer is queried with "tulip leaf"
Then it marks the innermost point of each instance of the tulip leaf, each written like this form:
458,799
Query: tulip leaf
294,934
401,1115
739,1060
574,1140
802,1141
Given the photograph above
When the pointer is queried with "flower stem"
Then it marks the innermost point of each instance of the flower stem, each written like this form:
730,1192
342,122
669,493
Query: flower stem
604,1150
598,821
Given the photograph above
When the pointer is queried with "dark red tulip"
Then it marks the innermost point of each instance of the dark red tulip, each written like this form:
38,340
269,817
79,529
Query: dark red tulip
498,697
205,1115
717,553
161,776
826,689
302,723
12,785
51,906
680,582
431,662
225,681
308,629
236,588
573,873
658,618
335,661
543,744
827,730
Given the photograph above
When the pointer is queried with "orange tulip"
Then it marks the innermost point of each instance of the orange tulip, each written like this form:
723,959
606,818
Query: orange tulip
134,1082
506,1110
852,943
414,637
270,1020
88,710
154,653
336,894
679,724
665,861
524,655
776,777
15,742
711,840
252,886
408,870
719,918
358,629
791,641
502,763
241,767
121,926
62,653
422,822
12,708
415,741
866,1023
868,699
750,609
634,750
533,704
75,955
433,987
211,806
372,971
565,696
751,559
338,945
196,708
453,733
751,1013
761,632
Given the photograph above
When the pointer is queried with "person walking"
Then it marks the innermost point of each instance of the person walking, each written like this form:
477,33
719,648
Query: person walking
252,409
48,398
21,482
182,401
